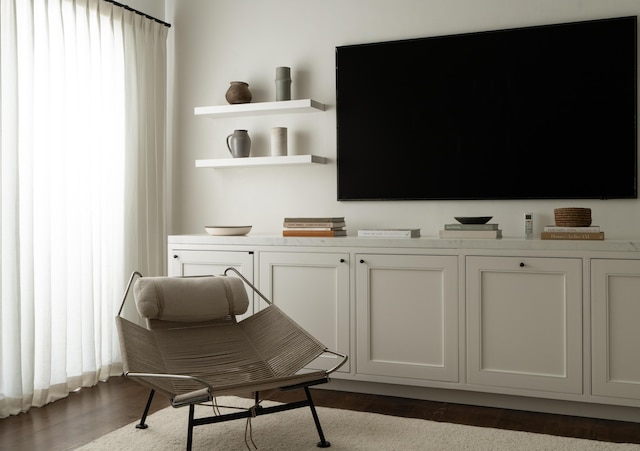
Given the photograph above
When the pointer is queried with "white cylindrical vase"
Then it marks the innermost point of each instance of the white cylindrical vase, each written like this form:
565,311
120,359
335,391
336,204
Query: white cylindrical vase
278,141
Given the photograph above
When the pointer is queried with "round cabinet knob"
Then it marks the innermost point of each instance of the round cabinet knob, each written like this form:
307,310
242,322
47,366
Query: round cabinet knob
175,256
522,264
361,261
342,260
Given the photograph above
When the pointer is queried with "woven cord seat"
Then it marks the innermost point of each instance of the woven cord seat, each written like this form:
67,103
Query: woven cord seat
193,348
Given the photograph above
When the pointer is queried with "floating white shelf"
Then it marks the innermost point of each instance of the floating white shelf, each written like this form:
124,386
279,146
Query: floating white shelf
261,161
259,109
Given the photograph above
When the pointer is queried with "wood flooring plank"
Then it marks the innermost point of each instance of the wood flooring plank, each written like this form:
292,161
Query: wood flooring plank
92,412
77,419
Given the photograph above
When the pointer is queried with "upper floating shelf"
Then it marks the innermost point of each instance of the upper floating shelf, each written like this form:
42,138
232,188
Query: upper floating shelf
260,108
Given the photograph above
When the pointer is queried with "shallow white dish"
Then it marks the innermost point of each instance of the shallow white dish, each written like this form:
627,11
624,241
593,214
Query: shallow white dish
227,230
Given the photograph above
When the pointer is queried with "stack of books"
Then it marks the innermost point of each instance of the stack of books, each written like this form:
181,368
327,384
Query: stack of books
314,226
462,231
572,233
390,233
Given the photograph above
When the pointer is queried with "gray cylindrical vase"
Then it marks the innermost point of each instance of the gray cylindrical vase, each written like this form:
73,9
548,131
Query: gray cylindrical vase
283,83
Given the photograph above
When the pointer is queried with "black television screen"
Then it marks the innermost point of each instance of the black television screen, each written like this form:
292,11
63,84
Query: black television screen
543,112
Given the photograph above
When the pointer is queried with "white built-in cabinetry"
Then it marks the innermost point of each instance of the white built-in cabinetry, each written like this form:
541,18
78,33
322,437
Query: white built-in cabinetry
313,289
510,319
524,323
615,319
406,317
186,263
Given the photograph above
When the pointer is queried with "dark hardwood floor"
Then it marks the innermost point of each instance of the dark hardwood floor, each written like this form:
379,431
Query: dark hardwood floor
92,412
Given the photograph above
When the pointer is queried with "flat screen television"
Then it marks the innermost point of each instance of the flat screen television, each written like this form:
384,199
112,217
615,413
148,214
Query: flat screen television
542,112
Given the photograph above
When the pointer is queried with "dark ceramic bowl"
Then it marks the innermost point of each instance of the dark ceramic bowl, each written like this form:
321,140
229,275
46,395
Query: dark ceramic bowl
473,219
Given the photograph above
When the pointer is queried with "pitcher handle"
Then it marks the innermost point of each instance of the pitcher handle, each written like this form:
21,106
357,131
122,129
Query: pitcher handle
228,146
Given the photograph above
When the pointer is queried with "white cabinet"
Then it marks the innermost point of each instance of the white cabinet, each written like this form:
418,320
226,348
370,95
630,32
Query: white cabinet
407,317
551,326
313,289
184,262
197,263
524,323
615,309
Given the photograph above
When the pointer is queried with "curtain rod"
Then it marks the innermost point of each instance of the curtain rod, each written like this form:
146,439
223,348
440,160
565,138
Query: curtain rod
138,12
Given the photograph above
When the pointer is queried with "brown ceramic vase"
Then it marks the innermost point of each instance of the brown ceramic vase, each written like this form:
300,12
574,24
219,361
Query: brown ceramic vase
238,92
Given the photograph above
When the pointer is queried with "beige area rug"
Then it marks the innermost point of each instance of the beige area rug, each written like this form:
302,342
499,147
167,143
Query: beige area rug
344,429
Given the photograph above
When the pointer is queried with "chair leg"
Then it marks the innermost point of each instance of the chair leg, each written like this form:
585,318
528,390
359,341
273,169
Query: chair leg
142,424
322,443
190,427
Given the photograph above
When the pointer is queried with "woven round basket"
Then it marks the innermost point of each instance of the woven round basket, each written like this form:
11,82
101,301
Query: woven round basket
572,217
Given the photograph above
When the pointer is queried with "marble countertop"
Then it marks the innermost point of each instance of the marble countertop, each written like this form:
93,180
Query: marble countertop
425,242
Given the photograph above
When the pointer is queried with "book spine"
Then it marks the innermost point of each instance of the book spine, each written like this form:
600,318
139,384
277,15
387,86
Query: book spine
388,233
313,224
572,236
470,234
471,226
590,229
313,220
314,233
313,228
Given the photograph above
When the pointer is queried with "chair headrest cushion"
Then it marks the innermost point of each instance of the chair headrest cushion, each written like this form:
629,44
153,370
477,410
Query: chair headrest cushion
190,299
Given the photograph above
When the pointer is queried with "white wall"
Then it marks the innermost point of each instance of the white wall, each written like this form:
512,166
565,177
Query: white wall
216,41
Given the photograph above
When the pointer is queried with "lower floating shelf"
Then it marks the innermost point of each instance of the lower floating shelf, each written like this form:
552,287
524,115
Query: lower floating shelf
261,161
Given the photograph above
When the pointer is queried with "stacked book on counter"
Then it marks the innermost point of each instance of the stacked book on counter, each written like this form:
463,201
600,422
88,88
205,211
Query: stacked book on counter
310,226
464,231
573,223
389,233
572,233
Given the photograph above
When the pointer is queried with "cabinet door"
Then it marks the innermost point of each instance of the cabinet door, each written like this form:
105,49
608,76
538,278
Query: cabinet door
313,289
615,310
524,319
407,316
202,263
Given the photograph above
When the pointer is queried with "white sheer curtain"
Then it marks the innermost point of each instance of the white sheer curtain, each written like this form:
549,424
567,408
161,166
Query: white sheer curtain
82,173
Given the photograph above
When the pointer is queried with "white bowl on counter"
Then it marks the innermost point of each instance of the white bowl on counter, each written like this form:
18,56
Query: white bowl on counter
227,230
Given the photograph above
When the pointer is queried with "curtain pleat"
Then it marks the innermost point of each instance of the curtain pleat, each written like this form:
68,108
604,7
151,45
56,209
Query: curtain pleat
145,49
82,167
